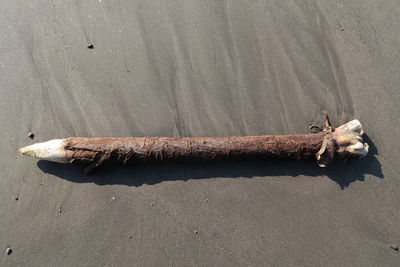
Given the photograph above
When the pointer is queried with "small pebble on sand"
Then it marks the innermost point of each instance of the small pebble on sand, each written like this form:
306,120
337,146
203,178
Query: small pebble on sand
31,135
9,251
59,210
195,232
16,198
90,46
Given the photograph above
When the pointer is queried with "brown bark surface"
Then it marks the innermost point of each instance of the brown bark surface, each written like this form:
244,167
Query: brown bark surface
92,152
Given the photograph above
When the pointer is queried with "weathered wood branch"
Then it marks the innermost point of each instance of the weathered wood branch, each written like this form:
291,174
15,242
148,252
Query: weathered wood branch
342,143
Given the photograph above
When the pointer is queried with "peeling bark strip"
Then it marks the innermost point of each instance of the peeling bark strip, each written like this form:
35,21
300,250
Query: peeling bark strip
342,142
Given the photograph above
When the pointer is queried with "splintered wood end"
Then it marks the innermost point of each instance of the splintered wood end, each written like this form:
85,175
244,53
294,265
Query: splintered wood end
344,142
348,138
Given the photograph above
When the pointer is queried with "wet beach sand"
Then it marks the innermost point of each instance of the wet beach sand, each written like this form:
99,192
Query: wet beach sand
124,68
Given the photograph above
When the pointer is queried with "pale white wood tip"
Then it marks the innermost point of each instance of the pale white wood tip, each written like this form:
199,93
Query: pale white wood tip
52,150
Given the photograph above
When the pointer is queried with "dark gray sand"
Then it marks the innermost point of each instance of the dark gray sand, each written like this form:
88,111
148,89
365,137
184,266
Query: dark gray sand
199,68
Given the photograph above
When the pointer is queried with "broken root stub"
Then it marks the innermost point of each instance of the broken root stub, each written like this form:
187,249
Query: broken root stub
344,142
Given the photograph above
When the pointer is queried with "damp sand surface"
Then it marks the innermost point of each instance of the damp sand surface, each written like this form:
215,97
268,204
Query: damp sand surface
198,68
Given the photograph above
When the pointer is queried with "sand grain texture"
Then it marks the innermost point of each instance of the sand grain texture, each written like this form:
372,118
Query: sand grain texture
199,68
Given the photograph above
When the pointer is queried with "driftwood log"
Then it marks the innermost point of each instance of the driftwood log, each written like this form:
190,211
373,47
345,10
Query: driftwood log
341,143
